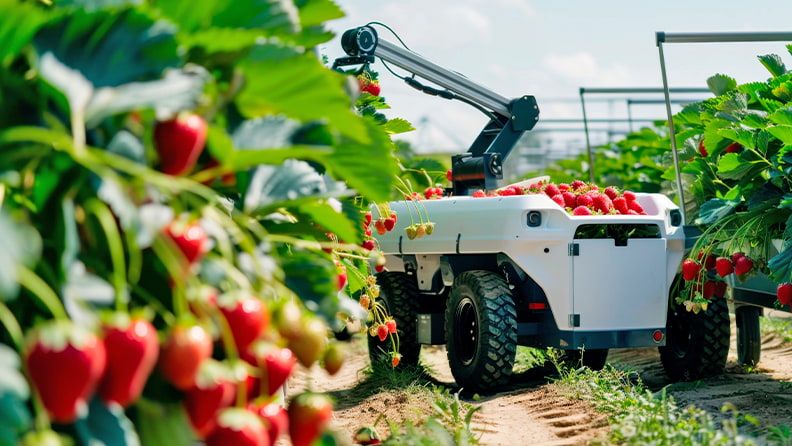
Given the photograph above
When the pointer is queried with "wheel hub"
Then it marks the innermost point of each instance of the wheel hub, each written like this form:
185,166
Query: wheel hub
466,328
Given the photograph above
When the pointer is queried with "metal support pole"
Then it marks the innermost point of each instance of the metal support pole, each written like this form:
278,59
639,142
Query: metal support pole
588,140
672,135
629,115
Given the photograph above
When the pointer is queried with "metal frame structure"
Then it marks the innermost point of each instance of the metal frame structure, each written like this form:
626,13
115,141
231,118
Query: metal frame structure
619,90
661,38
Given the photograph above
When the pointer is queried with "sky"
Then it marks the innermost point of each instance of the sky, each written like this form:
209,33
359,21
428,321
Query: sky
550,48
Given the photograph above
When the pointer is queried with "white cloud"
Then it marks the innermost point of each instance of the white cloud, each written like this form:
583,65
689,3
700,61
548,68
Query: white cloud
583,67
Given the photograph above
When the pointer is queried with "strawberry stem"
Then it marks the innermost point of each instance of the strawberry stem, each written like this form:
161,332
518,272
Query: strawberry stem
41,290
11,325
175,266
116,248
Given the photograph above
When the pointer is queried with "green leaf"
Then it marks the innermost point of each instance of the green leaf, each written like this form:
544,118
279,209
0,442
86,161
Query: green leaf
178,90
270,132
773,63
721,83
20,22
732,166
782,132
297,86
313,278
742,136
111,48
125,144
163,424
289,181
398,125
14,393
368,168
781,116
323,214
715,209
269,17
316,12
781,265
21,246
221,40
106,425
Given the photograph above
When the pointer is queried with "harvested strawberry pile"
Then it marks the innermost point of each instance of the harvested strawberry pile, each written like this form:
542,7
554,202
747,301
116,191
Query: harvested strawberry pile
578,197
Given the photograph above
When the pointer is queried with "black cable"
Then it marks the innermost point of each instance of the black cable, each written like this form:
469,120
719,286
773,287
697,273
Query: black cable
450,95
392,32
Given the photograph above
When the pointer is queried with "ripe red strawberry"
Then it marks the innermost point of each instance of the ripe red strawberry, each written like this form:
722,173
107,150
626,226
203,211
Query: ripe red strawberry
720,289
310,343
552,190
629,196
723,266
382,332
379,268
620,204
563,187
275,418
333,358
276,365
702,150
603,204
577,185
709,289
479,194
342,276
185,349
633,205
190,238
581,210
559,199
246,315
584,200
372,88
368,232
709,262
429,192
736,256
379,225
395,360
309,414
570,200
367,218
395,216
132,348
611,192
784,293
743,265
449,175
238,427
213,392
507,192
390,223
734,147
369,245
690,269
65,363
391,324
179,143
517,190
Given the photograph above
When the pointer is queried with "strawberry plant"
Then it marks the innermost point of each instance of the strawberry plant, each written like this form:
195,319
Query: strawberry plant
169,176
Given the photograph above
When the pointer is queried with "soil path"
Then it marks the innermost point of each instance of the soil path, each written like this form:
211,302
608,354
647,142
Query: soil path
530,412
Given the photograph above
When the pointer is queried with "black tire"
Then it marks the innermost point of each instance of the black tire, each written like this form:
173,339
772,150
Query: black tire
399,294
696,344
749,339
594,359
481,330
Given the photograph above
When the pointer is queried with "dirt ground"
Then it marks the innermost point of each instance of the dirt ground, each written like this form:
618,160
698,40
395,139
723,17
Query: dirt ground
529,411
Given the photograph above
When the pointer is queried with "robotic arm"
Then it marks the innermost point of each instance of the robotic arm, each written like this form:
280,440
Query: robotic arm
482,165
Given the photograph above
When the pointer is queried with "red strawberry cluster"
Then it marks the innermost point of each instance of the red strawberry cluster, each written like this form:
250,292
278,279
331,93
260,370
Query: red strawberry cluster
433,193
703,276
578,198
368,85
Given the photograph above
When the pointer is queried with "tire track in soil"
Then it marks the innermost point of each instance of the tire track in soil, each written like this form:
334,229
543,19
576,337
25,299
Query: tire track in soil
764,392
